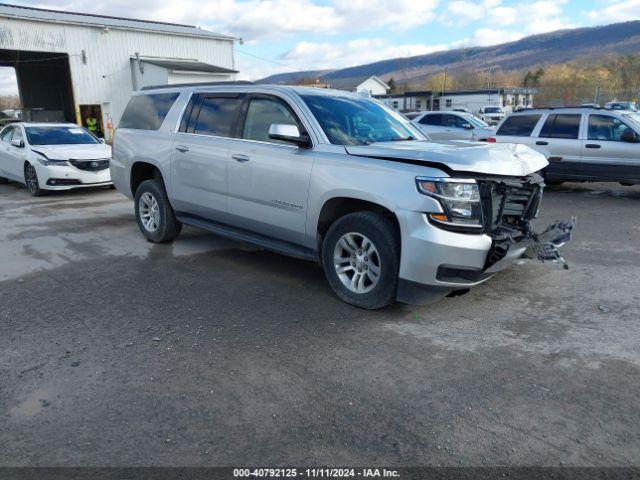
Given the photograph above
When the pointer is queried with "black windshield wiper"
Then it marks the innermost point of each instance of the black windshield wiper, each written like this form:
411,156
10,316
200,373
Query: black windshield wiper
402,139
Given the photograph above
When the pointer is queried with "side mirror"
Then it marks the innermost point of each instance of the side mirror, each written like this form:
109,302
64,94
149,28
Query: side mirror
102,140
628,136
288,133
468,126
17,143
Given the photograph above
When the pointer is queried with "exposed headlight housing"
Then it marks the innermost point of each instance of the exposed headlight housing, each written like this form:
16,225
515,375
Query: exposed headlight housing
44,160
460,201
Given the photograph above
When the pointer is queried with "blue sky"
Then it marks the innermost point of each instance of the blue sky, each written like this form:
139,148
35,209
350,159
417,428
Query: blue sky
289,35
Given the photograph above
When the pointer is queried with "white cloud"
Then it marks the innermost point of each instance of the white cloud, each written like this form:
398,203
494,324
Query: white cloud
328,56
529,18
618,11
260,19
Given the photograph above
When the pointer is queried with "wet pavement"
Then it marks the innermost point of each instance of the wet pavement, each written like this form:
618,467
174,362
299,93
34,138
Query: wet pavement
114,351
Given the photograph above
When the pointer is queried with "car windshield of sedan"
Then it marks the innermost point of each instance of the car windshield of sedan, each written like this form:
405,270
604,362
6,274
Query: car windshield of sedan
475,121
59,136
493,110
348,120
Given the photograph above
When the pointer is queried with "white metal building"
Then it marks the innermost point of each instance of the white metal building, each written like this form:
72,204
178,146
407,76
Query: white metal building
473,100
74,66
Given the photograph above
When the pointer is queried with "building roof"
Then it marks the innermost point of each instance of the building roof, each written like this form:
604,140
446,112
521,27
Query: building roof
58,16
352,83
186,65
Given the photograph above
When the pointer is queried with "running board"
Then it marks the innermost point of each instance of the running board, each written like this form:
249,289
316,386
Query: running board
273,244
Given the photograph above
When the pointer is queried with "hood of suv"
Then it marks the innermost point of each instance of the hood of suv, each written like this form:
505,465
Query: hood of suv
75,152
506,159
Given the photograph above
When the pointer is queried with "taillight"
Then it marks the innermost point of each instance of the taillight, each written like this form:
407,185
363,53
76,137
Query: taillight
491,140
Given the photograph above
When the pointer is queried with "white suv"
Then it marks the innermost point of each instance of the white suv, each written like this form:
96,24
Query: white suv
581,144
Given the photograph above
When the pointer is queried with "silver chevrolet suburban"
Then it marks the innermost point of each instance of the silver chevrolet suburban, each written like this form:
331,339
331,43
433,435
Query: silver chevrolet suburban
331,177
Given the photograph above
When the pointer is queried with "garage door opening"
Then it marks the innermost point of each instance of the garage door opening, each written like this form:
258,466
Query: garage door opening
10,108
44,84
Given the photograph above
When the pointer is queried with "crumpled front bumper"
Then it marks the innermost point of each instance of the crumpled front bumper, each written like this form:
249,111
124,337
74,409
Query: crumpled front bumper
446,264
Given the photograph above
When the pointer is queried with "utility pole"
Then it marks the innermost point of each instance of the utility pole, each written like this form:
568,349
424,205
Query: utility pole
596,99
444,81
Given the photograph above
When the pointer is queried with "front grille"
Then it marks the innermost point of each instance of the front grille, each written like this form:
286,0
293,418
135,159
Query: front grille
90,165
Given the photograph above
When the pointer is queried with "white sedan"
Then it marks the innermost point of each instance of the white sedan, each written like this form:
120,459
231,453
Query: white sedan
53,156
450,125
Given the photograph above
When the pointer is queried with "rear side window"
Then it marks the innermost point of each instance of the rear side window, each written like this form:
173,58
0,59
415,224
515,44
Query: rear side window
147,112
519,125
432,119
215,117
561,126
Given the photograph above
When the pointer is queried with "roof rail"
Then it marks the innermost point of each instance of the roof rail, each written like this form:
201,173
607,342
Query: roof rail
205,84
559,107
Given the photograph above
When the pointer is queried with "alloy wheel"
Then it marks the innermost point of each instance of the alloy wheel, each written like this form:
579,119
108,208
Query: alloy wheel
149,212
357,262
31,178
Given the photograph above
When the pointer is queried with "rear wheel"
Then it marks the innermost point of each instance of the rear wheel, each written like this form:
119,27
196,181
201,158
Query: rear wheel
154,213
361,259
31,181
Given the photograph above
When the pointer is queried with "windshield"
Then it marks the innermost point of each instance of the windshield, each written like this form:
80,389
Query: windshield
348,120
633,119
475,121
492,110
59,136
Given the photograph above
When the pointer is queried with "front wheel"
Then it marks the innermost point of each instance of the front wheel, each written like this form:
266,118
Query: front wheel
31,181
154,213
361,259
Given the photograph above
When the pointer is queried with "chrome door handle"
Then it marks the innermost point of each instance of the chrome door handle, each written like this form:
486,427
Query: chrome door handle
182,148
240,158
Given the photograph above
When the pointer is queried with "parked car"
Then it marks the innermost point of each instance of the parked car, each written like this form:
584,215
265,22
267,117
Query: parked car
491,114
47,156
629,106
581,144
331,177
453,126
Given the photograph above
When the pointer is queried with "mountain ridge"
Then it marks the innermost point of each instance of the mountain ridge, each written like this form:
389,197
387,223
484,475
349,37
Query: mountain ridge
529,52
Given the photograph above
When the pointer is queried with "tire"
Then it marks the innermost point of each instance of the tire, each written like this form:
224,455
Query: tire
356,231
154,214
31,181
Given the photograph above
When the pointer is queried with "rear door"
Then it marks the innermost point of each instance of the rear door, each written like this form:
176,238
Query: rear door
269,179
604,155
518,129
559,141
200,160
433,125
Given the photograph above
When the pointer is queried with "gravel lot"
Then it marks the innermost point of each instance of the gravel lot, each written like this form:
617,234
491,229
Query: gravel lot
114,351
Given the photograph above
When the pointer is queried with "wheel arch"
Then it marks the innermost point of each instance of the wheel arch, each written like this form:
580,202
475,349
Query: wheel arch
141,171
339,206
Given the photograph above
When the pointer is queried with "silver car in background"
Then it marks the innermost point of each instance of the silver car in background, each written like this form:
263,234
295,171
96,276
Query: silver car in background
581,144
331,177
453,126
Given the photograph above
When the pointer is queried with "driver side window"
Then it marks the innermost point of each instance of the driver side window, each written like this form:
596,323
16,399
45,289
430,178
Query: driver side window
7,134
606,128
261,114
